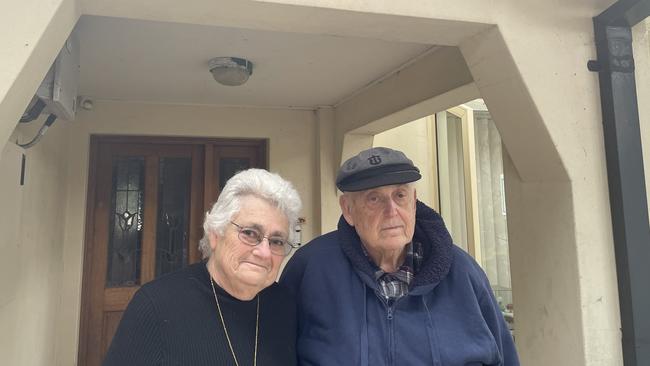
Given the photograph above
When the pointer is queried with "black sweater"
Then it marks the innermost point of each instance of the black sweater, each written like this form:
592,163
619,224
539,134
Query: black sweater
174,321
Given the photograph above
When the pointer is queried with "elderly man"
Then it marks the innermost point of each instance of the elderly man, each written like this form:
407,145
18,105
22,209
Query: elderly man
228,310
389,287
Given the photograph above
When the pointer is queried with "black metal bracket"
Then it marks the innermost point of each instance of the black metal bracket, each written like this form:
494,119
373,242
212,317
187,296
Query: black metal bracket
625,172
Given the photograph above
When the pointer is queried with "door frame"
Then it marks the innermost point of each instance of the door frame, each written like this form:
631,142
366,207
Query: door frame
205,144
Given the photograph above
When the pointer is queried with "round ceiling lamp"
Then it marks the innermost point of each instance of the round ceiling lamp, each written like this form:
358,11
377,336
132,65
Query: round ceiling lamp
230,71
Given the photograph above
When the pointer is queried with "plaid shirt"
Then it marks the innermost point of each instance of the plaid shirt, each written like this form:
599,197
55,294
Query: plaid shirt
394,285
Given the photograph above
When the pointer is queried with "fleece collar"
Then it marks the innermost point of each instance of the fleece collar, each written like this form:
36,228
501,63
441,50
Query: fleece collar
430,230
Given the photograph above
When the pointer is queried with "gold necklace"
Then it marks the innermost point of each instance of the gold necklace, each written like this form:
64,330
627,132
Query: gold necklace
223,324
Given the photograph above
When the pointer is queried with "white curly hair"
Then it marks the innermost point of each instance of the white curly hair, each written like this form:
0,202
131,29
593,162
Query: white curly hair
260,183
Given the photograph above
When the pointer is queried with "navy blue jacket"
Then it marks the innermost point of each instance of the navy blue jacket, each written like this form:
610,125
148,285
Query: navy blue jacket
449,317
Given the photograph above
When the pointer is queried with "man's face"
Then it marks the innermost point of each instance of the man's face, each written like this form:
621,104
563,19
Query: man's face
384,217
239,265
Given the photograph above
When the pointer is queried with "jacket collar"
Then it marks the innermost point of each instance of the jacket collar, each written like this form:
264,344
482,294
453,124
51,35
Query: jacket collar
430,230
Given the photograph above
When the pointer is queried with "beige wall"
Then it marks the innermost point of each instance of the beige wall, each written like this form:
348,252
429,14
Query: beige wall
414,139
641,45
31,242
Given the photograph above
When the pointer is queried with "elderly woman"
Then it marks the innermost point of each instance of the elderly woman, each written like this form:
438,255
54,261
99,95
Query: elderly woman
227,310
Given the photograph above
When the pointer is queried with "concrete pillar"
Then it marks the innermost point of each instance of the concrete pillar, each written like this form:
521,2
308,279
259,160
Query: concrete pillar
328,165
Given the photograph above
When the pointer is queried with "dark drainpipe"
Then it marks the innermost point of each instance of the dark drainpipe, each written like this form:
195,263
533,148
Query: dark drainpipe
627,191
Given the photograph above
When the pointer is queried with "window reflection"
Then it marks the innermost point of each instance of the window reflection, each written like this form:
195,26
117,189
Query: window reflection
464,157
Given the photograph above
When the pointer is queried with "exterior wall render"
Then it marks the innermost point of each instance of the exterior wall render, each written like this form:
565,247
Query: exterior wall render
31,242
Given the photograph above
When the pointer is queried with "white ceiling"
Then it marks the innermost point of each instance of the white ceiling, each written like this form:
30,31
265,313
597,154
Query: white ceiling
137,60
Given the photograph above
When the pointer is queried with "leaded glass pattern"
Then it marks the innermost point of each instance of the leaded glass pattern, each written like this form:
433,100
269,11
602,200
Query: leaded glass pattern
125,226
173,214
229,167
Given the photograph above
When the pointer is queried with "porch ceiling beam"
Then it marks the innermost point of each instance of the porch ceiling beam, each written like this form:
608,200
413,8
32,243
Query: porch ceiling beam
439,72
281,17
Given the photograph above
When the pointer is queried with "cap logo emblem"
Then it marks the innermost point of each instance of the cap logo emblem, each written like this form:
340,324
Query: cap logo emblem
374,160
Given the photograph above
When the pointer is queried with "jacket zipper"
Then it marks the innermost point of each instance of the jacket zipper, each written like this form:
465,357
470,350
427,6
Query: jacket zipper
391,340
391,331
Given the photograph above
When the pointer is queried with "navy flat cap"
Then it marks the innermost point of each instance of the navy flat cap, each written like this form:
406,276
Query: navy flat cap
376,167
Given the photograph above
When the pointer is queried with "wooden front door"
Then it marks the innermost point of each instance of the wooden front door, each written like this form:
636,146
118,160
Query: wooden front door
146,201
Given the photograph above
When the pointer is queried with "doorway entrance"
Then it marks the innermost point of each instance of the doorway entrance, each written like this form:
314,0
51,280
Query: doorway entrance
146,201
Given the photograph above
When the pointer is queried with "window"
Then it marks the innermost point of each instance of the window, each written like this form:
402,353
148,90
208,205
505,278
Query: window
460,154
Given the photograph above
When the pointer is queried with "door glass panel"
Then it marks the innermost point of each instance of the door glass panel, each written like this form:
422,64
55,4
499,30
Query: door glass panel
229,167
451,176
125,226
173,214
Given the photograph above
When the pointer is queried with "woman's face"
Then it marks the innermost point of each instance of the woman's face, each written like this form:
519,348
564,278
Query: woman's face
240,266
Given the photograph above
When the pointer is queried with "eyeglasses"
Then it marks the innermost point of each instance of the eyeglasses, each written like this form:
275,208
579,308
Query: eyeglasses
251,236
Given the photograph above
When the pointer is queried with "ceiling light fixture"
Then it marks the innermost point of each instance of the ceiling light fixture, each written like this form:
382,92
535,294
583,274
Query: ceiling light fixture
230,71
